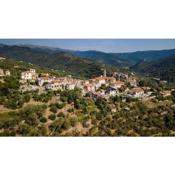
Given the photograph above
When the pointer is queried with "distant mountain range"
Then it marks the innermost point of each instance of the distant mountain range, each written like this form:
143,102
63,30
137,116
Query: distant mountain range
116,59
125,59
61,60
90,63
102,57
98,56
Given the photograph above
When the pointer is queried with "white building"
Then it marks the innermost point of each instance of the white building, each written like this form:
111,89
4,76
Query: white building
132,82
118,84
26,75
42,80
70,86
53,86
7,73
2,58
29,75
1,72
136,92
101,80
33,71
89,88
4,73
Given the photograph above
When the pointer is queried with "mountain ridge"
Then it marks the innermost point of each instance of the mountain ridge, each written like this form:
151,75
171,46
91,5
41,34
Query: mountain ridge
60,61
120,59
90,63
163,68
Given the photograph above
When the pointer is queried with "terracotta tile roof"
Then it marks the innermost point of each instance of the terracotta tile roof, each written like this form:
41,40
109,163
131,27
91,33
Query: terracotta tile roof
100,78
118,82
136,90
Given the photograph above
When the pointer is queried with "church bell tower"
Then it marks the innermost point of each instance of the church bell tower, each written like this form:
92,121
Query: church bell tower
104,73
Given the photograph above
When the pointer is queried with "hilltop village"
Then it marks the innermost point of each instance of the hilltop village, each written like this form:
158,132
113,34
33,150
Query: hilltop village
124,85
38,101
102,86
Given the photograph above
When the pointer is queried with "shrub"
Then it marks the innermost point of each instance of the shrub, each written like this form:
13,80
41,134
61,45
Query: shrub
66,124
60,105
53,109
85,124
26,98
73,121
52,117
70,110
60,114
43,119
43,130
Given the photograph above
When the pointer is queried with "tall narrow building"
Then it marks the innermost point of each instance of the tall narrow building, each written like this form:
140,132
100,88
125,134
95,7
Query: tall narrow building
104,73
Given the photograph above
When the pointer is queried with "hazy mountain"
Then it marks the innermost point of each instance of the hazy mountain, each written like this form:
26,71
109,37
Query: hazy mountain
124,59
162,68
146,55
116,59
55,60
44,48
87,63
102,57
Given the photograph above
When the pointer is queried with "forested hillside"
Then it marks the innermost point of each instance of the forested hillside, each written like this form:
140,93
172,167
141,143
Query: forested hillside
151,55
103,57
59,61
163,68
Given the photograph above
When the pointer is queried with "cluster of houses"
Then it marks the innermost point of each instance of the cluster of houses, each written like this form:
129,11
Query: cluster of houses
2,58
29,75
111,85
4,73
136,92
121,84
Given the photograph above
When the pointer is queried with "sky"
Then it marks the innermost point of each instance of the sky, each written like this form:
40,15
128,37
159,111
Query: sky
106,45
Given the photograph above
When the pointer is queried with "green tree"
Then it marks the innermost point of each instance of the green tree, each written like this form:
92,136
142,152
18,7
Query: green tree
60,114
52,116
169,121
53,109
102,105
43,119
